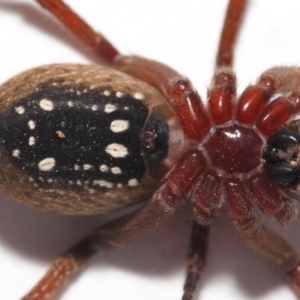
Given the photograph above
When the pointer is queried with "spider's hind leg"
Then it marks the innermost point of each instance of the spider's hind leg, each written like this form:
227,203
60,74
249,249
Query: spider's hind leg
196,259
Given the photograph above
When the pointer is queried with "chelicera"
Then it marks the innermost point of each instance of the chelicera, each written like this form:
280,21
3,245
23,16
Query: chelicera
90,139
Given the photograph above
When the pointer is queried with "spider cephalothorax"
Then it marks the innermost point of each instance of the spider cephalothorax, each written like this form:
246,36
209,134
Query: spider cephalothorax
233,154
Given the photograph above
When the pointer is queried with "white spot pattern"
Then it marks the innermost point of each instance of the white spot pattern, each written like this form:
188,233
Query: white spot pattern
47,164
110,108
116,170
104,168
20,110
31,124
16,153
116,150
133,182
31,141
87,167
46,104
119,125
103,183
119,94
138,96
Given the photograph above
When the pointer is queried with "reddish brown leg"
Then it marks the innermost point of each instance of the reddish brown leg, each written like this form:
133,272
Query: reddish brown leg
196,259
270,202
256,98
230,31
81,29
221,96
287,78
279,111
206,198
114,234
261,239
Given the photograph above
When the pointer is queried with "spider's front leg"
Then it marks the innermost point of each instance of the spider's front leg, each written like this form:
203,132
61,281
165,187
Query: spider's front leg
116,233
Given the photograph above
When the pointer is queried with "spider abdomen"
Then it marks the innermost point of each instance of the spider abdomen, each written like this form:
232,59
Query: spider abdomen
73,139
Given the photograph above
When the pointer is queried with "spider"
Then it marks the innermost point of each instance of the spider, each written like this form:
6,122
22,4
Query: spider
203,218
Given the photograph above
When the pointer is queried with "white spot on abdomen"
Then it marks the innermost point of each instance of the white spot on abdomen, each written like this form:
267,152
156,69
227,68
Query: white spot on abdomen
138,96
20,110
119,125
110,108
133,182
116,170
116,150
31,124
46,104
104,168
76,167
87,167
47,164
103,183
31,141
16,153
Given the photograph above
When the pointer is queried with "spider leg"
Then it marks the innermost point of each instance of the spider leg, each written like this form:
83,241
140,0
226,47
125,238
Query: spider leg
81,29
279,111
270,202
288,78
221,96
206,198
116,233
232,24
261,239
196,259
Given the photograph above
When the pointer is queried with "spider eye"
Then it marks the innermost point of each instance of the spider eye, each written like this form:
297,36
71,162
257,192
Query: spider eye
281,156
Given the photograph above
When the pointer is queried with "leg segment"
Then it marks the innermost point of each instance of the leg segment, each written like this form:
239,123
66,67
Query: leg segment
259,238
277,113
206,198
81,29
116,233
62,269
255,98
253,107
221,96
196,259
230,31
270,202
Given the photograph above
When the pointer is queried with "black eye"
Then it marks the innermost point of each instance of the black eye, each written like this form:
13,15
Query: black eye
281,156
